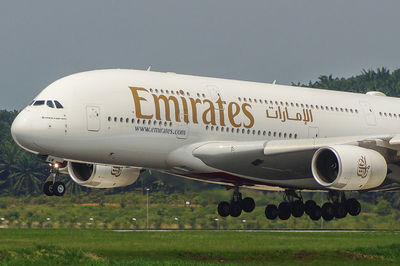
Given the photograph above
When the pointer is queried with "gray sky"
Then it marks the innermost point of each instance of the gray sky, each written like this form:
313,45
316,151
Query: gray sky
289,41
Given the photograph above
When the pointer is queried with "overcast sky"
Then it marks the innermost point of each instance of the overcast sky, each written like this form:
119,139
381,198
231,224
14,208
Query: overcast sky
290,41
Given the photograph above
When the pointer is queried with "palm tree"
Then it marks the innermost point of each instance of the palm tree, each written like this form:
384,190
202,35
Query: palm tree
9,153
27,175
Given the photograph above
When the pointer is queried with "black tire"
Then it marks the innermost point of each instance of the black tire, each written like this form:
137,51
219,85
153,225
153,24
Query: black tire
48,188
353,207
284,210
309,205
235,209
315,213
248,204
223,209
297,208
59,188
340,210
271,212
328,211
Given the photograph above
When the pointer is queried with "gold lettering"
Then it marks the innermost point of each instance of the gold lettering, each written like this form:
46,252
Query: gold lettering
248,114
193,102
211,111
232,114
167,107
221,111
136,100
185,110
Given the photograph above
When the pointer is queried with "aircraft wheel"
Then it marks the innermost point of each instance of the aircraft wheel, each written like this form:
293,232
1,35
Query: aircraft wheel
48,188
223,209
284,210
340,210
315,213
297,208
235,209
328,211
353,207
248,204
309,205
271,212
59,188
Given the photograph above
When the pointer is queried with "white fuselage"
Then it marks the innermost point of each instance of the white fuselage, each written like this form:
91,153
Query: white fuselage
150,119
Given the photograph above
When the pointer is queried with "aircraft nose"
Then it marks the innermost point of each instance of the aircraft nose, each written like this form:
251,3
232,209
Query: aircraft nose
20,129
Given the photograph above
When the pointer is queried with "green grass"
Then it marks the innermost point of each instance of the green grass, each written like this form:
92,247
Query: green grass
98,247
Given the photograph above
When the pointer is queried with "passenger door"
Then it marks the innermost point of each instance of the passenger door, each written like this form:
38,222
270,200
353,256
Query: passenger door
93,118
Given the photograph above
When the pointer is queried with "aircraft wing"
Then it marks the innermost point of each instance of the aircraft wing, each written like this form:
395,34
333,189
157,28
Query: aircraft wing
280,160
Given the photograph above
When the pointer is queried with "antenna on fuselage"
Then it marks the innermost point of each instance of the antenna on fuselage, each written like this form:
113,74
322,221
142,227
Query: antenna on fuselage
274,82
149,68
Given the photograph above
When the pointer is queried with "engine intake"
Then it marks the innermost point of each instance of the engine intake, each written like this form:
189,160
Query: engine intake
344,167
102,176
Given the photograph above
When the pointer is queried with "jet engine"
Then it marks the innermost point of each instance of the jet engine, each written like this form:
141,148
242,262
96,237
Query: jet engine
344,167
102,176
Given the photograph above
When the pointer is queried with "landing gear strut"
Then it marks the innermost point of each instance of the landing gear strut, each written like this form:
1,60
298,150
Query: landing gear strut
51,186
236,205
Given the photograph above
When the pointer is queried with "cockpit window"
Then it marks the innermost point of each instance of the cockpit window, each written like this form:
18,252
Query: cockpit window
50,104
58,105
37,103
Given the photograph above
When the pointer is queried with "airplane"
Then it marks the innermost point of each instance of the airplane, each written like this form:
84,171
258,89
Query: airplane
104,127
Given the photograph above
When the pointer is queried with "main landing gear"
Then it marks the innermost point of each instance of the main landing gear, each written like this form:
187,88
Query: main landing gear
293,205
235,207
51,186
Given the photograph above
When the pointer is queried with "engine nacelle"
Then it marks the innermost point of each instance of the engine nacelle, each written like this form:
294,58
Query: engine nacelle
102,176
344,167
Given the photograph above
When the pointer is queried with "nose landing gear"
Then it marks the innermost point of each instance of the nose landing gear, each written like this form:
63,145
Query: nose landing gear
236,205
51,186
